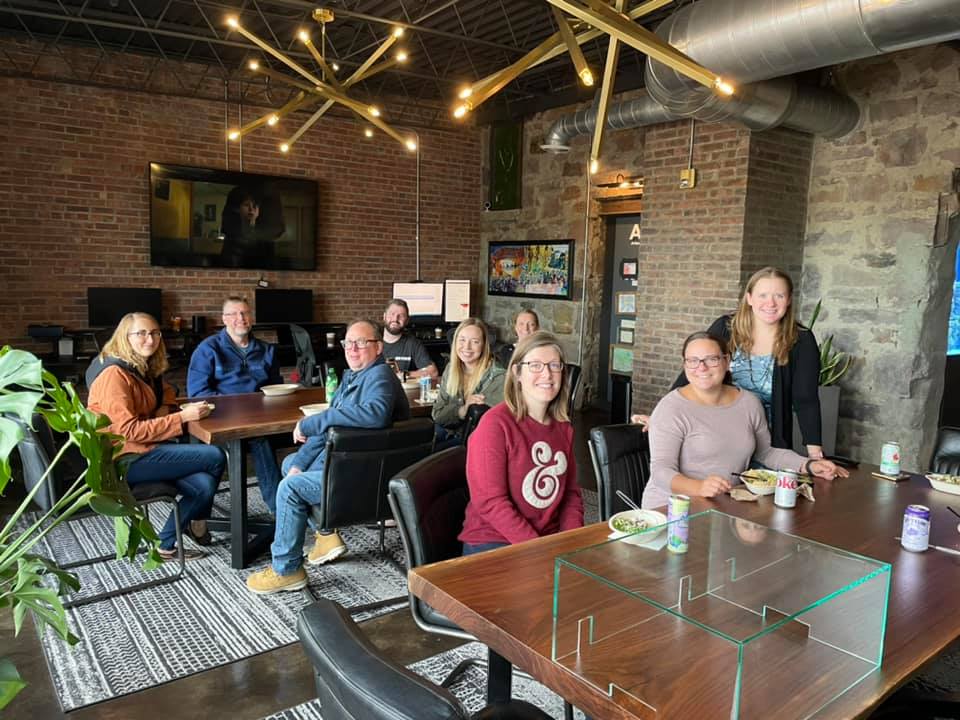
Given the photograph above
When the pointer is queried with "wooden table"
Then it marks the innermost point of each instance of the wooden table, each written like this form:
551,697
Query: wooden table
504,597
234,422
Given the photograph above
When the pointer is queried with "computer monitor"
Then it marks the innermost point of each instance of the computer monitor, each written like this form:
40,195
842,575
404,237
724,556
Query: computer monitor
424,299
107,305
456,300
284,306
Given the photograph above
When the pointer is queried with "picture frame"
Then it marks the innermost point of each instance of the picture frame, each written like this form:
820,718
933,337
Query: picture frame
210,212
626,303
628,269
621,359
625,337
628,324
534,268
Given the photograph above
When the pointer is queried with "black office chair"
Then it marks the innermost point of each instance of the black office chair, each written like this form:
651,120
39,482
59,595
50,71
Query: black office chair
474,413
355,681
38,446
307,369
573,374
621,461
621,399
946,453
358,466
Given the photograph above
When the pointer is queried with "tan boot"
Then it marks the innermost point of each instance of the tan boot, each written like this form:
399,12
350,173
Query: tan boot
267,581
326,548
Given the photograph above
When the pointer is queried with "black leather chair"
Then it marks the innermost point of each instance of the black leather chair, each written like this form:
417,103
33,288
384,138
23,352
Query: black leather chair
37,448
573,375
621,398
360,463
946,453
355,681
307,368
474,413
621,461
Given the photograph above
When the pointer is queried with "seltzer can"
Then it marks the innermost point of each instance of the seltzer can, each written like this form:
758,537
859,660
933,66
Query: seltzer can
678,533
424,387
890,459
915,536
785,494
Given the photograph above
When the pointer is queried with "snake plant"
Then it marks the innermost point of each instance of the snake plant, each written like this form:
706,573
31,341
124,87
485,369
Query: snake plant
833,363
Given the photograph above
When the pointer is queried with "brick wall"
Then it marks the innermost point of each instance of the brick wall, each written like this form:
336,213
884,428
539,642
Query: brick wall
73,183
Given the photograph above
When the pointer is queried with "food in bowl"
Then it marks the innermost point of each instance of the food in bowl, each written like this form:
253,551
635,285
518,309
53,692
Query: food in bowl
945,483
629,525
642,523
760,482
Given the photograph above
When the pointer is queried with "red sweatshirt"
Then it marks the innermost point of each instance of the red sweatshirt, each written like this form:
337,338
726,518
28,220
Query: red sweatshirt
522,478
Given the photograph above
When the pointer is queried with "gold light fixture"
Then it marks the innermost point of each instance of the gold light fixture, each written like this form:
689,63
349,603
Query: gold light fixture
323,86
623,182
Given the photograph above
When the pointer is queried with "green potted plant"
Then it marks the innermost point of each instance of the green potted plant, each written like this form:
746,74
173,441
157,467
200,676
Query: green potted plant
29,583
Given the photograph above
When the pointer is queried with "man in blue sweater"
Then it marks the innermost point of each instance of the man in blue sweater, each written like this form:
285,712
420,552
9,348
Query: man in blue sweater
369,396
234,361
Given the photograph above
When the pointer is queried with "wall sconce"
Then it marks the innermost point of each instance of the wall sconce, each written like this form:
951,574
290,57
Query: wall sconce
623,182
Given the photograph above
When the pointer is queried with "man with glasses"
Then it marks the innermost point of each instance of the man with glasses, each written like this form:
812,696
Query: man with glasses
408,352
234,361
369,396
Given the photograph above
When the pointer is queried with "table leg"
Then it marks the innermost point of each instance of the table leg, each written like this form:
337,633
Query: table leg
499,678
237,468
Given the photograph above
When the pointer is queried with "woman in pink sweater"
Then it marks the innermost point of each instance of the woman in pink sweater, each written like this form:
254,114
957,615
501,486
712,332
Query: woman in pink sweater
520,465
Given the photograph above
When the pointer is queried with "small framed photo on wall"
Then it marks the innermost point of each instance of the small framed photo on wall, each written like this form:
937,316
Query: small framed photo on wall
625,337
621,360
626,303
628,269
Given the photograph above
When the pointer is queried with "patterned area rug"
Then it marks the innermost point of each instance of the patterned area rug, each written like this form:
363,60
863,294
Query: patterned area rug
470,689
206,619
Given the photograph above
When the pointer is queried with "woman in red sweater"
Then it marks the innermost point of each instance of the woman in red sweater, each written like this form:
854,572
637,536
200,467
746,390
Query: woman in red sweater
126,384
520,464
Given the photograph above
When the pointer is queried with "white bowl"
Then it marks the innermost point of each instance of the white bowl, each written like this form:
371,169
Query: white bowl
313,408
764,484
184,406
651,518
284,389
945,483
411,385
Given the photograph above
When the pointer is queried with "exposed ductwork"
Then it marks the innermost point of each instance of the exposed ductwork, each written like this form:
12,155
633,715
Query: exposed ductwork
752,41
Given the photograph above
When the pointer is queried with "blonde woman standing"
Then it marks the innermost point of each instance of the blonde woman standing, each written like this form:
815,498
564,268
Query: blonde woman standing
470,378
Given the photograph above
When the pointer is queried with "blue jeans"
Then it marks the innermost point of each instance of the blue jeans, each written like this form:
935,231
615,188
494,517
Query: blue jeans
469,549
294,497
195,471
268,472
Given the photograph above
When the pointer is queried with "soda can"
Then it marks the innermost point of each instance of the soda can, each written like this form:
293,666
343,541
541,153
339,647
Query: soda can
915,536
424,387
785,494
678,533
890,459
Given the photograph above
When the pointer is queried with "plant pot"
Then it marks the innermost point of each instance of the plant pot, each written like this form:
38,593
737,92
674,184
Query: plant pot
829,415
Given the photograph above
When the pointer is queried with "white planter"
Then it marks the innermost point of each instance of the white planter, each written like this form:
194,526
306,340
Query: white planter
829,414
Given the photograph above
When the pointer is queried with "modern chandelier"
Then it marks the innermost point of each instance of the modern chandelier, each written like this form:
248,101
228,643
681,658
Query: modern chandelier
593,19
322,86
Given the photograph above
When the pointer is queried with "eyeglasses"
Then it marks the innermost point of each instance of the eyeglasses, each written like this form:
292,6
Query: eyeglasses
692,363
359,344
535,366
241,313
142,334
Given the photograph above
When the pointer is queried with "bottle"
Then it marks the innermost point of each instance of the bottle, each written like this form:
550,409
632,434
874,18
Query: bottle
330,386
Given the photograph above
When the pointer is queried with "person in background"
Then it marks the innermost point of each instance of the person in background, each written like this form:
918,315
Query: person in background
234,361
369,396
470,378
526,322
126,384
402,347
520,463
774,357
707,430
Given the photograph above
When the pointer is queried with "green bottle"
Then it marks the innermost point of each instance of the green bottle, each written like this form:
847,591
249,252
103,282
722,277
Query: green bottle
331,383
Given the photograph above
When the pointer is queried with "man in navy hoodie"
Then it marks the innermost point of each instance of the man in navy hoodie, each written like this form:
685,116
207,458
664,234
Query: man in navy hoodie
233,361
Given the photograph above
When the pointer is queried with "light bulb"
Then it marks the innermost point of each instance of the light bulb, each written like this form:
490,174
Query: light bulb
466,92
232,21
586,77
411,145
398,32
367,132
304,36
334,67
723,87
402,56
374,110
594,166
273,120
284,147
460,110
233,134
254,65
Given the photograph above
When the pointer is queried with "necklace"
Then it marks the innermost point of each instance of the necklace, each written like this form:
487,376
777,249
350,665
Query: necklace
767,370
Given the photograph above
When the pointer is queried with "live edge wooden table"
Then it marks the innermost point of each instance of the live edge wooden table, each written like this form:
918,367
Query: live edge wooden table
236,420
505,597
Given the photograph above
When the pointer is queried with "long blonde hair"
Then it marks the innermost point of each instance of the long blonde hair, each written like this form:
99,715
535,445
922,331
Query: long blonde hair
512,393
741,327
119,346
459,381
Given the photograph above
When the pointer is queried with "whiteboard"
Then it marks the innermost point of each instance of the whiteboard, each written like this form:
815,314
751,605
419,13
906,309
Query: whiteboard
456,305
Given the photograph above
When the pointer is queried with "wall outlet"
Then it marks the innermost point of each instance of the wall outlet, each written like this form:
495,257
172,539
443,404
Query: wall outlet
688,178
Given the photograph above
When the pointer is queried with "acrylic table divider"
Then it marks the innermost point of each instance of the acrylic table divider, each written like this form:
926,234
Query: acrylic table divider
781,625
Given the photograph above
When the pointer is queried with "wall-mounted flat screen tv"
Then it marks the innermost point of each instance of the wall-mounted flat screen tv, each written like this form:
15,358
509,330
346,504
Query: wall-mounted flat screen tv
224,219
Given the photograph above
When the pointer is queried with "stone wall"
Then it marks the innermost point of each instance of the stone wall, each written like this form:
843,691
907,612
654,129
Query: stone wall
872,249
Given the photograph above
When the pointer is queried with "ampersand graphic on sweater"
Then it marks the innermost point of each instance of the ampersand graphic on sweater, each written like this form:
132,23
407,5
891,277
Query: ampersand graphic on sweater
541,485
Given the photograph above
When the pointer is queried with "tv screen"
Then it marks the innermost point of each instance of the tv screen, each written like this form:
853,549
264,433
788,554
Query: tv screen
424,299
106,305
225,219
284,306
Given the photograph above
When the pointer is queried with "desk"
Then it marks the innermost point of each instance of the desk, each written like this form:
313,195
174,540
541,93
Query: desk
504,597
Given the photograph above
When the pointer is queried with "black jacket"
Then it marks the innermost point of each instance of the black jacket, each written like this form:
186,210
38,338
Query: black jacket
795,388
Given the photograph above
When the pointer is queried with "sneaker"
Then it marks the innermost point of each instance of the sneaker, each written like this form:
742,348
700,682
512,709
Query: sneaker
326,548
172,556
267,581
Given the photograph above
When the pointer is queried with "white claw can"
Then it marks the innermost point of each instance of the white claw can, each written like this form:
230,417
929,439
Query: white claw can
785,493
890,459
915,535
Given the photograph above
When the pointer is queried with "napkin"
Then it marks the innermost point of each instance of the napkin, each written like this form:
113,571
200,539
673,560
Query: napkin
744,495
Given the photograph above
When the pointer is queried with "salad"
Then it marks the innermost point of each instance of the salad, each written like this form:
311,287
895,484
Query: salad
629,525
760,477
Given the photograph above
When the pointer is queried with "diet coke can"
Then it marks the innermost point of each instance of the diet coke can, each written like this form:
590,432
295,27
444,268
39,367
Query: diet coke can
785,494
890,459
915,536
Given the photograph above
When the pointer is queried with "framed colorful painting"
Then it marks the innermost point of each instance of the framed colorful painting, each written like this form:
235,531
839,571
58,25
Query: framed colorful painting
542,269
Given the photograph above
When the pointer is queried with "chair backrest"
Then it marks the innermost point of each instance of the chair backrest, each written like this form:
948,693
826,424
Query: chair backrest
474,413
358,465
37,448
306,358
573,375
621,398
356,682
946,453
621,461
